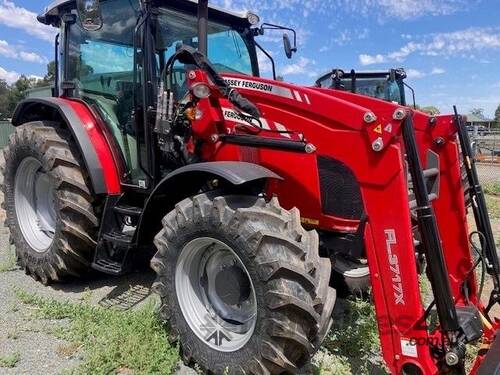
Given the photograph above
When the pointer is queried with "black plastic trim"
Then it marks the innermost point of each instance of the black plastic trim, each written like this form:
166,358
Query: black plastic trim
258,141
188,181
236,172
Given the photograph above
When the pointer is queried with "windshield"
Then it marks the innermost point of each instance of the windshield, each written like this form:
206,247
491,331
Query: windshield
229,48
381,88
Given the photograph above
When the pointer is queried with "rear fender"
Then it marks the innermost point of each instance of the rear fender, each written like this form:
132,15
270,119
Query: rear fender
89,137
190,180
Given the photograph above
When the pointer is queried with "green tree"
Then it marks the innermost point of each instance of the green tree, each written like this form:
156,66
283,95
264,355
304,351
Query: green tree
51,72
479,112
19,91
497,115
4,99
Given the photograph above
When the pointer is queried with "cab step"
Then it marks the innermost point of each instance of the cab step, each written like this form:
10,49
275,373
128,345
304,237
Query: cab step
109,267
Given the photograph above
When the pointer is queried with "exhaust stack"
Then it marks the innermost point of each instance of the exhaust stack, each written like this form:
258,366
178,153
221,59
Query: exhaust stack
203,26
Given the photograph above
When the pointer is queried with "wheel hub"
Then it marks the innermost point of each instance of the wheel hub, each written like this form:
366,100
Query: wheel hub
34,198
216,294
232,286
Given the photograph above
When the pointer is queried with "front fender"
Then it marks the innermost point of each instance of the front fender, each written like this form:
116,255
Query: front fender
92,145
186,182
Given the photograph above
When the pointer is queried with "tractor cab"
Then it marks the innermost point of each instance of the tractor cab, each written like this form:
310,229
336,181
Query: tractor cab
385,85
112,54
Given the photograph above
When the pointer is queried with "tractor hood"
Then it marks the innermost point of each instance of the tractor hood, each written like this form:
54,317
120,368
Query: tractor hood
301,109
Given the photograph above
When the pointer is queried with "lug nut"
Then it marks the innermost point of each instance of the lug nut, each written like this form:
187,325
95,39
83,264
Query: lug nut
378,144
370,117
399,114
432,121
310,148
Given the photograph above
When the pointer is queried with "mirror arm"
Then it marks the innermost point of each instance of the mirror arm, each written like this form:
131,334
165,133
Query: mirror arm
269,56
412,93
270,26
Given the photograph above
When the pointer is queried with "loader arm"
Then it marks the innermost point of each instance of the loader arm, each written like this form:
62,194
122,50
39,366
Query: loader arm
378,150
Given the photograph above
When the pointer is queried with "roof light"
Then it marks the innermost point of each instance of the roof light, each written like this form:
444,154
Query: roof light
253,19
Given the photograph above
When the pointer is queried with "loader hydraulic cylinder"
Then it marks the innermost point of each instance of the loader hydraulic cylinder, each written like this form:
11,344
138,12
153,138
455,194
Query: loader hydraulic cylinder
427,224
479,207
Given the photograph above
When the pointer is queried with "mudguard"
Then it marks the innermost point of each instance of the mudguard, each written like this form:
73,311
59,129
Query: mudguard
93,146
236,172
187,181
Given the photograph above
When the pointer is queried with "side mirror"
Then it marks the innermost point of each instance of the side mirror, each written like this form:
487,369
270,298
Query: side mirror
89,12
289,50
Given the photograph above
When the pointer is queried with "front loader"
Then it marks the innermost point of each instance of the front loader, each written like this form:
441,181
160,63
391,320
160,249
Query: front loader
162,143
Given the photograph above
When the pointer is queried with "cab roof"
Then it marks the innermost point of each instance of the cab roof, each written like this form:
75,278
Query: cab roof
51,14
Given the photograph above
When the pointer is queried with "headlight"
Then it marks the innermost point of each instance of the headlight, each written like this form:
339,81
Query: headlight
201,90
253,19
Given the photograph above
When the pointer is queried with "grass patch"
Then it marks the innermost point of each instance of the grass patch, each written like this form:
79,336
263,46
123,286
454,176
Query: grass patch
109,339
10,263
325,363
10,361
493,203
354,340
492,188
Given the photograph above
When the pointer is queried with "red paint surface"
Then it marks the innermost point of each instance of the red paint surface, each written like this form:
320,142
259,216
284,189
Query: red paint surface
100,144
333,122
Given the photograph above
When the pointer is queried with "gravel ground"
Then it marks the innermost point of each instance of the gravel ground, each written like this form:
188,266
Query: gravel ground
42,353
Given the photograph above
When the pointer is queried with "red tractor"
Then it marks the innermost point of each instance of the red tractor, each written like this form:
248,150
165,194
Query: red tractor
247,189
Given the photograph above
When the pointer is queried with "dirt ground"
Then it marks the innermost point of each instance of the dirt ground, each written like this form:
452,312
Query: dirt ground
42,353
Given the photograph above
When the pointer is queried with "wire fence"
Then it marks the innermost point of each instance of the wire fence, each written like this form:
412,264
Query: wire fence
486,145
6,130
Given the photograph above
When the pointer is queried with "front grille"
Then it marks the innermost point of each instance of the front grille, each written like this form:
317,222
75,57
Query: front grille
340,192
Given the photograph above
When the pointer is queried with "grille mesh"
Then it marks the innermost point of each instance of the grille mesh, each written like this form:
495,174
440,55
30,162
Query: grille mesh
340,192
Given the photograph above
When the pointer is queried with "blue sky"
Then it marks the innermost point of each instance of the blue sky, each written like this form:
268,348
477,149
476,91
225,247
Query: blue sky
450,48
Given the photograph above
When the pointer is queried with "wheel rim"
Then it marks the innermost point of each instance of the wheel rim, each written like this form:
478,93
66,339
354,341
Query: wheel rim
216,294
34,199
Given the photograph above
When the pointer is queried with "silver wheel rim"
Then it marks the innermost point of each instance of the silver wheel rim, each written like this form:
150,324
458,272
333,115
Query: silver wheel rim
202,265
34,199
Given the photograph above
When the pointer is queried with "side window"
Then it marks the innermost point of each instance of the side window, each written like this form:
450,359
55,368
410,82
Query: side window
106,69
101,63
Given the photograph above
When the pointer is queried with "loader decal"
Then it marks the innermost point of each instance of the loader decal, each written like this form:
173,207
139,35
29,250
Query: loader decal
268,88
397,285
234,116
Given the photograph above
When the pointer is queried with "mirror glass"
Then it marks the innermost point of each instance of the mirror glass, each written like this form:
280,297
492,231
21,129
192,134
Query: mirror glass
288,46
89,13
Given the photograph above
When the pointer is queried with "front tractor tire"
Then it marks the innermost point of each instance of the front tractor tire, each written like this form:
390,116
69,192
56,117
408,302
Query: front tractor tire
48,203
242,285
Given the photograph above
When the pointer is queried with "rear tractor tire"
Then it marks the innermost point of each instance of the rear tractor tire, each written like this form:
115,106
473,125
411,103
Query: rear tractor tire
242,285
48,203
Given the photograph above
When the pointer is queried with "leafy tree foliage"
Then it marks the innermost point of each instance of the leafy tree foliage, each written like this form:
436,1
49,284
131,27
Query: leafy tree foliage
10,95
479,112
